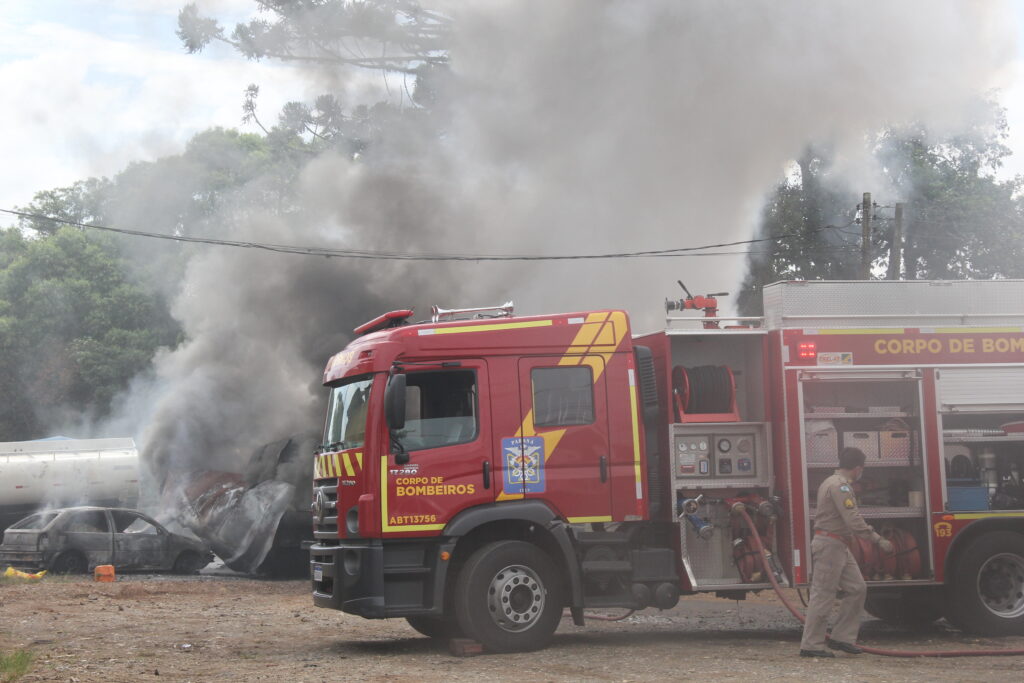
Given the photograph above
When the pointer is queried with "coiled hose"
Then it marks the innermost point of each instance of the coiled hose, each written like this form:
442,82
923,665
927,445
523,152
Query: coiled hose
759,548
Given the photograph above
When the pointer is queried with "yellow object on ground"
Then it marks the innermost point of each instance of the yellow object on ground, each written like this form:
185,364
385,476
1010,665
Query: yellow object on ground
17,573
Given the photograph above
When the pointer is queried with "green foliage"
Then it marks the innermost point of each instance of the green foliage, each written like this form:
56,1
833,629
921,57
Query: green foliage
74,329
83,202
373,34
14,664
960,221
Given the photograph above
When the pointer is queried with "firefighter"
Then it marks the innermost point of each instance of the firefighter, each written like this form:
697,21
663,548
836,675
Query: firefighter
833,568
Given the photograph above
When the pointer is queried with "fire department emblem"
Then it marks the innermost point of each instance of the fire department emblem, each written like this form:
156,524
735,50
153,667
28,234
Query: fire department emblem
524,464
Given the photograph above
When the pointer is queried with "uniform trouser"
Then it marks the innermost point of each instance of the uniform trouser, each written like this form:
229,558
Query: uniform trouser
833,569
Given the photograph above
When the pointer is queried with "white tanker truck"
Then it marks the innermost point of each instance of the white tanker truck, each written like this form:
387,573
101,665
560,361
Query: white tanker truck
63,472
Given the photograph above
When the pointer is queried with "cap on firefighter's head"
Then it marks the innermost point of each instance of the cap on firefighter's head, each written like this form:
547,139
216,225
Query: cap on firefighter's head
851,458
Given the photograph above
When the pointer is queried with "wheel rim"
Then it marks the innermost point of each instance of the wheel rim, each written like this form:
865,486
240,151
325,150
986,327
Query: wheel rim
515,598
1001,585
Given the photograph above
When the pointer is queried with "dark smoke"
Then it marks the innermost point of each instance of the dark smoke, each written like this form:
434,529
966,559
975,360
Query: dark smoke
568,127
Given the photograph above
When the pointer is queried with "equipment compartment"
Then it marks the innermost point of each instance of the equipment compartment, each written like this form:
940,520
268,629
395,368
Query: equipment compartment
879,413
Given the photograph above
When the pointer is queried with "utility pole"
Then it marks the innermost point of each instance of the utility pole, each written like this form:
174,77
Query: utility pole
865,237
896,247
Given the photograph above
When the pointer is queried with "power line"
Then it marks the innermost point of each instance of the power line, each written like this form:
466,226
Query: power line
406,256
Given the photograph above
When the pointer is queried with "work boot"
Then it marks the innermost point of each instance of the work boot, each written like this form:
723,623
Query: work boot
845,647
816,653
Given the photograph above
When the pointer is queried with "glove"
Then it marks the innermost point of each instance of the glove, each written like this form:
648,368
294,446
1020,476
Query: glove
885,545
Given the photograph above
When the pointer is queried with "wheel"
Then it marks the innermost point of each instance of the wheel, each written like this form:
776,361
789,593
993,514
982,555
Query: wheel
508,597
70,562
187,562
441,628
986,591
908,607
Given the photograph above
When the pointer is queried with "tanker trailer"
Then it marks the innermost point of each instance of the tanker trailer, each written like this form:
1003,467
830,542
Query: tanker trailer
63,472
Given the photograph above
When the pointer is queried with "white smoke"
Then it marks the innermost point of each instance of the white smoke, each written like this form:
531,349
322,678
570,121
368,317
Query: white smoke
574,127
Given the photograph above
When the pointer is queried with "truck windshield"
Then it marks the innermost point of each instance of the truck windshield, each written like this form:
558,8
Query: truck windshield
346,414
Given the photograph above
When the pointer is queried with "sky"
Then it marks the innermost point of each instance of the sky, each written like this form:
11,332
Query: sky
92,85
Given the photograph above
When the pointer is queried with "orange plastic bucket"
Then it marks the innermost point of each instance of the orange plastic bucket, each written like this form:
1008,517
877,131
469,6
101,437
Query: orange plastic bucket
104,573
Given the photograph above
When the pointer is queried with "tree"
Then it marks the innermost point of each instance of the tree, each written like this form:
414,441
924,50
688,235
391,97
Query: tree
960,220
73,328
389,35
809,220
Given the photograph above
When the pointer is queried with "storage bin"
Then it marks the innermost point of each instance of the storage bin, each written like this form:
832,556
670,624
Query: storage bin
866,441
822,443
898,445
967,498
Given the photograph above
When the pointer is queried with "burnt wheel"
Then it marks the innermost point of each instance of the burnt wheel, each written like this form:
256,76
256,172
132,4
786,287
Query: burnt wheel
508,597
70,562
441,628
986,591
187,562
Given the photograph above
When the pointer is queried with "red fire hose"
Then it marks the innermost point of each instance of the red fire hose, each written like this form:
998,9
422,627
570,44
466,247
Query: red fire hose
756,538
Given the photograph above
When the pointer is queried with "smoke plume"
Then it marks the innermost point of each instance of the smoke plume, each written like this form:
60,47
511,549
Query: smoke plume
573,127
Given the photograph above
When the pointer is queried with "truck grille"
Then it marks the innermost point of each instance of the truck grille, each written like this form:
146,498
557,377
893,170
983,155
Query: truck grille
327,527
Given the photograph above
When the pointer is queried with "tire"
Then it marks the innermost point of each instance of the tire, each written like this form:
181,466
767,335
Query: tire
909,607
985,593
440,628
508,597
70,562
187,562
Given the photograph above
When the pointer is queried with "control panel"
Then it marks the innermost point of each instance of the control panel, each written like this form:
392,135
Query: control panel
722,452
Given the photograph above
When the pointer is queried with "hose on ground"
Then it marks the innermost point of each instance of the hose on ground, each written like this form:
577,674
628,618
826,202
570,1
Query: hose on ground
759,548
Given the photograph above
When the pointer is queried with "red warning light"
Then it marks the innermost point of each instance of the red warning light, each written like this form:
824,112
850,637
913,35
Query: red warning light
807,350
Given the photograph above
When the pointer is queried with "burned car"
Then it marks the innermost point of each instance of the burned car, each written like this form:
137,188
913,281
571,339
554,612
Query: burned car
74,540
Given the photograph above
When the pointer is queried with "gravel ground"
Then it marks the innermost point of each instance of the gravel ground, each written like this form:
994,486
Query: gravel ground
224,628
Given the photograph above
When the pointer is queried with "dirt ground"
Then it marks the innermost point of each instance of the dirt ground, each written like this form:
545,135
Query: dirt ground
222,628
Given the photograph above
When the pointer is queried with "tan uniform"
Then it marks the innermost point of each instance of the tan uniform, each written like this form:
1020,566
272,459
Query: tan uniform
833,567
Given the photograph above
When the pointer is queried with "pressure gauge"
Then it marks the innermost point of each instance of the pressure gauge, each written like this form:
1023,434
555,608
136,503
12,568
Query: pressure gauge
724,445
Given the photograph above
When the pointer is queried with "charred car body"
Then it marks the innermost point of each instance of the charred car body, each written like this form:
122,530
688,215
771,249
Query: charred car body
74,540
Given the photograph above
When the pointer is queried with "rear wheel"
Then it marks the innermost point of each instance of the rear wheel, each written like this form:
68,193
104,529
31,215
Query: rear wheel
441,628
907,607
188,562
986,590
70,562
508,597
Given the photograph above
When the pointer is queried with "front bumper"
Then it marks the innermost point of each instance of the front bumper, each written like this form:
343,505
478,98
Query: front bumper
378,579
349,577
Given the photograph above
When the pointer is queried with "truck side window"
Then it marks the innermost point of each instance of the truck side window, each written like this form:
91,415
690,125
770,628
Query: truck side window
440,409
562,396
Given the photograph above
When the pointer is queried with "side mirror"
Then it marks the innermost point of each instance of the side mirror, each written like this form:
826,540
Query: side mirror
394,402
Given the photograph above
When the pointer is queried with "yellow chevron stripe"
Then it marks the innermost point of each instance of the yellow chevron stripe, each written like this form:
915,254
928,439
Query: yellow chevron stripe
636,434
487,328
348,465
986,515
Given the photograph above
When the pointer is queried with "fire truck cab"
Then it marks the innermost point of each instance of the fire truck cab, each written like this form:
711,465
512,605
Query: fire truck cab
480,475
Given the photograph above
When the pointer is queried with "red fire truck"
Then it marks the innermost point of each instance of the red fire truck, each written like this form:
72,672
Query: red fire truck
480,475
